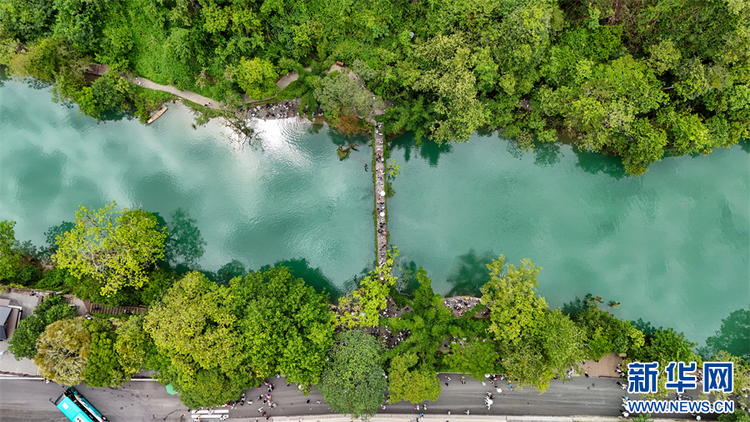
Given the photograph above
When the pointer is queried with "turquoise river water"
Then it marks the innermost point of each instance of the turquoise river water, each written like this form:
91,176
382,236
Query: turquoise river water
671,246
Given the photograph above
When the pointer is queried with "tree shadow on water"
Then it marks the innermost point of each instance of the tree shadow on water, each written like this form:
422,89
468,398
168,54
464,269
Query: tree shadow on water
599,163
470,273
546,154
733,336
314,277
184,245
745,145
426,149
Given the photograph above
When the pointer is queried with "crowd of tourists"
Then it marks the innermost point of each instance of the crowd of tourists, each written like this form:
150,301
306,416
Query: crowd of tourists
462,304
282,110
380,209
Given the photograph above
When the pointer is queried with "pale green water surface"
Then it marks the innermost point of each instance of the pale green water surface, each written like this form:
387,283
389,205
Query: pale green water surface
671,246
290,198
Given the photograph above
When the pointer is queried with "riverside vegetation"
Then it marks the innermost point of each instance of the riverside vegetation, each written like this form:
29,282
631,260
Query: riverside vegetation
639,79
212,335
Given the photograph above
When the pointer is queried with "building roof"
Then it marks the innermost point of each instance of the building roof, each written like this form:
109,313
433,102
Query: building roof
4,314
9,318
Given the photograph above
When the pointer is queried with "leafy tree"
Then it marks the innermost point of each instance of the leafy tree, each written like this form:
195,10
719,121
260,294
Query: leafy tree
734,335
739,415
27,275
361,308
474,357
664,346
511,296
63,351
133,345
78,22
257,77
112,247
26,19
211,386
352,380
741,382
10,260
56,279
546,353
287,325
194,328
159,282
604,334
23,344
429,325
340,95
103,367
109,92
446,73
410,382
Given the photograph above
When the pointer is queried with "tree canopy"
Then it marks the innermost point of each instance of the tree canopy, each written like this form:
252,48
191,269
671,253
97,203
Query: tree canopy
287,326
353,379
10,260
412,382
361,307
23,344
111,247
63,351
193,328
734,335
103,367
511,296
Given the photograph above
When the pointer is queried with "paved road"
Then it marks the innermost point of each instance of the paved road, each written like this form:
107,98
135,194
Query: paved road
28,400
25,400
582,396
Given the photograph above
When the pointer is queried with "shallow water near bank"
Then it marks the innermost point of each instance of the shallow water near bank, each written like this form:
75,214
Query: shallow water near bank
671,246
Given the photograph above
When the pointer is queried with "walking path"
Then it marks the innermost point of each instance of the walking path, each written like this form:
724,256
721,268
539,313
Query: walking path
380,209
282,83
188,95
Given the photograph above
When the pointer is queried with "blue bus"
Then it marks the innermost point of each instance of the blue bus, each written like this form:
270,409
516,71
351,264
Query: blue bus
76,408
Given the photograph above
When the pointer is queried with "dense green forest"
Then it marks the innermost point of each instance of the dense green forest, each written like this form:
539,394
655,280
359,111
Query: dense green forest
640,79
213,334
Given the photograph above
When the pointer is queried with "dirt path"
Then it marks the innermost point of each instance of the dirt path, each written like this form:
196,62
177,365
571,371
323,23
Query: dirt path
188,95
282,83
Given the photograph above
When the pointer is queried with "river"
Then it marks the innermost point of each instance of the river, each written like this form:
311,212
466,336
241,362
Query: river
671,246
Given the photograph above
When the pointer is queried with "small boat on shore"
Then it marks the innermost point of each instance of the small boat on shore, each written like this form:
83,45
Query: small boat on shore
157,114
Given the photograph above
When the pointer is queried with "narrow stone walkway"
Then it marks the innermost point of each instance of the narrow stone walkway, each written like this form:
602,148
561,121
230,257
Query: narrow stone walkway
380,193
